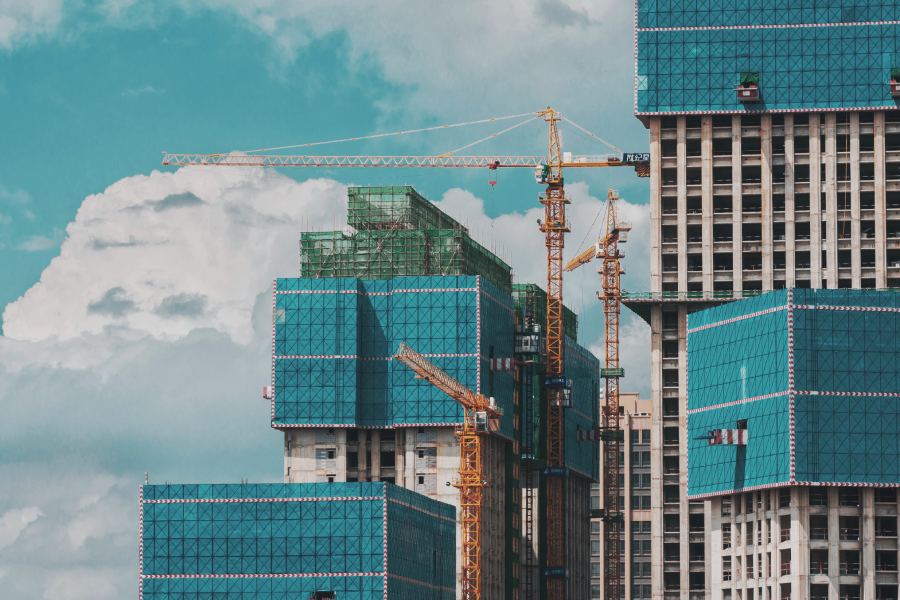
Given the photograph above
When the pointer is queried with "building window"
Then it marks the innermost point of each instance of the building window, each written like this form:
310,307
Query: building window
818,497
885,495
886,526
849,528
848,497
886,560
849,562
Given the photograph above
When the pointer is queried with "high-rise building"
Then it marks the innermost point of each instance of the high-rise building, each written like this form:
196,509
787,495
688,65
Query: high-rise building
775,162
793,423
403,271
634,482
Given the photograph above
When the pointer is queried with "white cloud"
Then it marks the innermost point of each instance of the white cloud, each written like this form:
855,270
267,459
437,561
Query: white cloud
23,21
143,90
14,521
41,243
168,253
469,58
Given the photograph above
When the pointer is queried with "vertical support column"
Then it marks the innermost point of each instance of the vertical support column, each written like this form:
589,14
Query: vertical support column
409,448
737,219
834,543
655,206
880,204
830,270
340,455
375,457
765,141
683,504
815,204
799,542
706,190
789,205
713,544
855,212
400,459
362,452
656,454
681,158
867,556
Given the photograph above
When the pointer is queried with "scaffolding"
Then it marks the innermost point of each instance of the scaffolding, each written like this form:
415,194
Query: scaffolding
276,541
812,375
393,231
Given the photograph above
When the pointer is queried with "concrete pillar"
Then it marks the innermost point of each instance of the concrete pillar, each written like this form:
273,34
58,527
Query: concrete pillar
681,158
737,232
834,543
375,455
789,206
409,462
656,454
765,141
363,456
855,231
867,531
683,504
706,190
714,547
340,455
800,543
815,204
400,459
830,269
880,204
655,206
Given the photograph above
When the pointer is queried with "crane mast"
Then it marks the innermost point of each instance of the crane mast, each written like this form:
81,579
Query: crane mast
555,227
480,416
607,249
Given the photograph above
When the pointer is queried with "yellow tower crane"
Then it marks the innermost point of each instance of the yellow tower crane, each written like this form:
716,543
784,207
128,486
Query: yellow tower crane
480,417
548,170
607,248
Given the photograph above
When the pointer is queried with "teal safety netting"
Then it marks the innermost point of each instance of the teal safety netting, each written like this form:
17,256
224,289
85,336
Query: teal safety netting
836,54
582,367
843,384
286,541
847,376
334,338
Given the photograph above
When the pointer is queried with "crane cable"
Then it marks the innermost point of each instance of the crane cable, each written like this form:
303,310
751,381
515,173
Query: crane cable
489,137
590,134
394,133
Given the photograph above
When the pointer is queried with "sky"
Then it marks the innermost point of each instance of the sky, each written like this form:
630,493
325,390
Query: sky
135,298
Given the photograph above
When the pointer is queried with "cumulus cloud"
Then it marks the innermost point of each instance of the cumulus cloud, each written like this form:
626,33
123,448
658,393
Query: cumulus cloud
22,21
13,522
149,247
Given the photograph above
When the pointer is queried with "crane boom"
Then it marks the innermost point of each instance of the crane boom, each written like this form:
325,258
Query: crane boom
241,159
478,412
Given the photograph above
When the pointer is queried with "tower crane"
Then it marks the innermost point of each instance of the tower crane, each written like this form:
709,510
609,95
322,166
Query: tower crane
607,248
480,417
548,170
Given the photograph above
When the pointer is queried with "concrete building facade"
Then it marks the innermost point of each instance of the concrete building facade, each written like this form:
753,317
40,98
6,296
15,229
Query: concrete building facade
635,423
800,189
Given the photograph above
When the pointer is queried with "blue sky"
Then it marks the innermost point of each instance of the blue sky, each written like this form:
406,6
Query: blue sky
136,324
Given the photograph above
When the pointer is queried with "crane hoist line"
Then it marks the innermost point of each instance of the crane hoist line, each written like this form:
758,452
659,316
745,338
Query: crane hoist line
548,168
